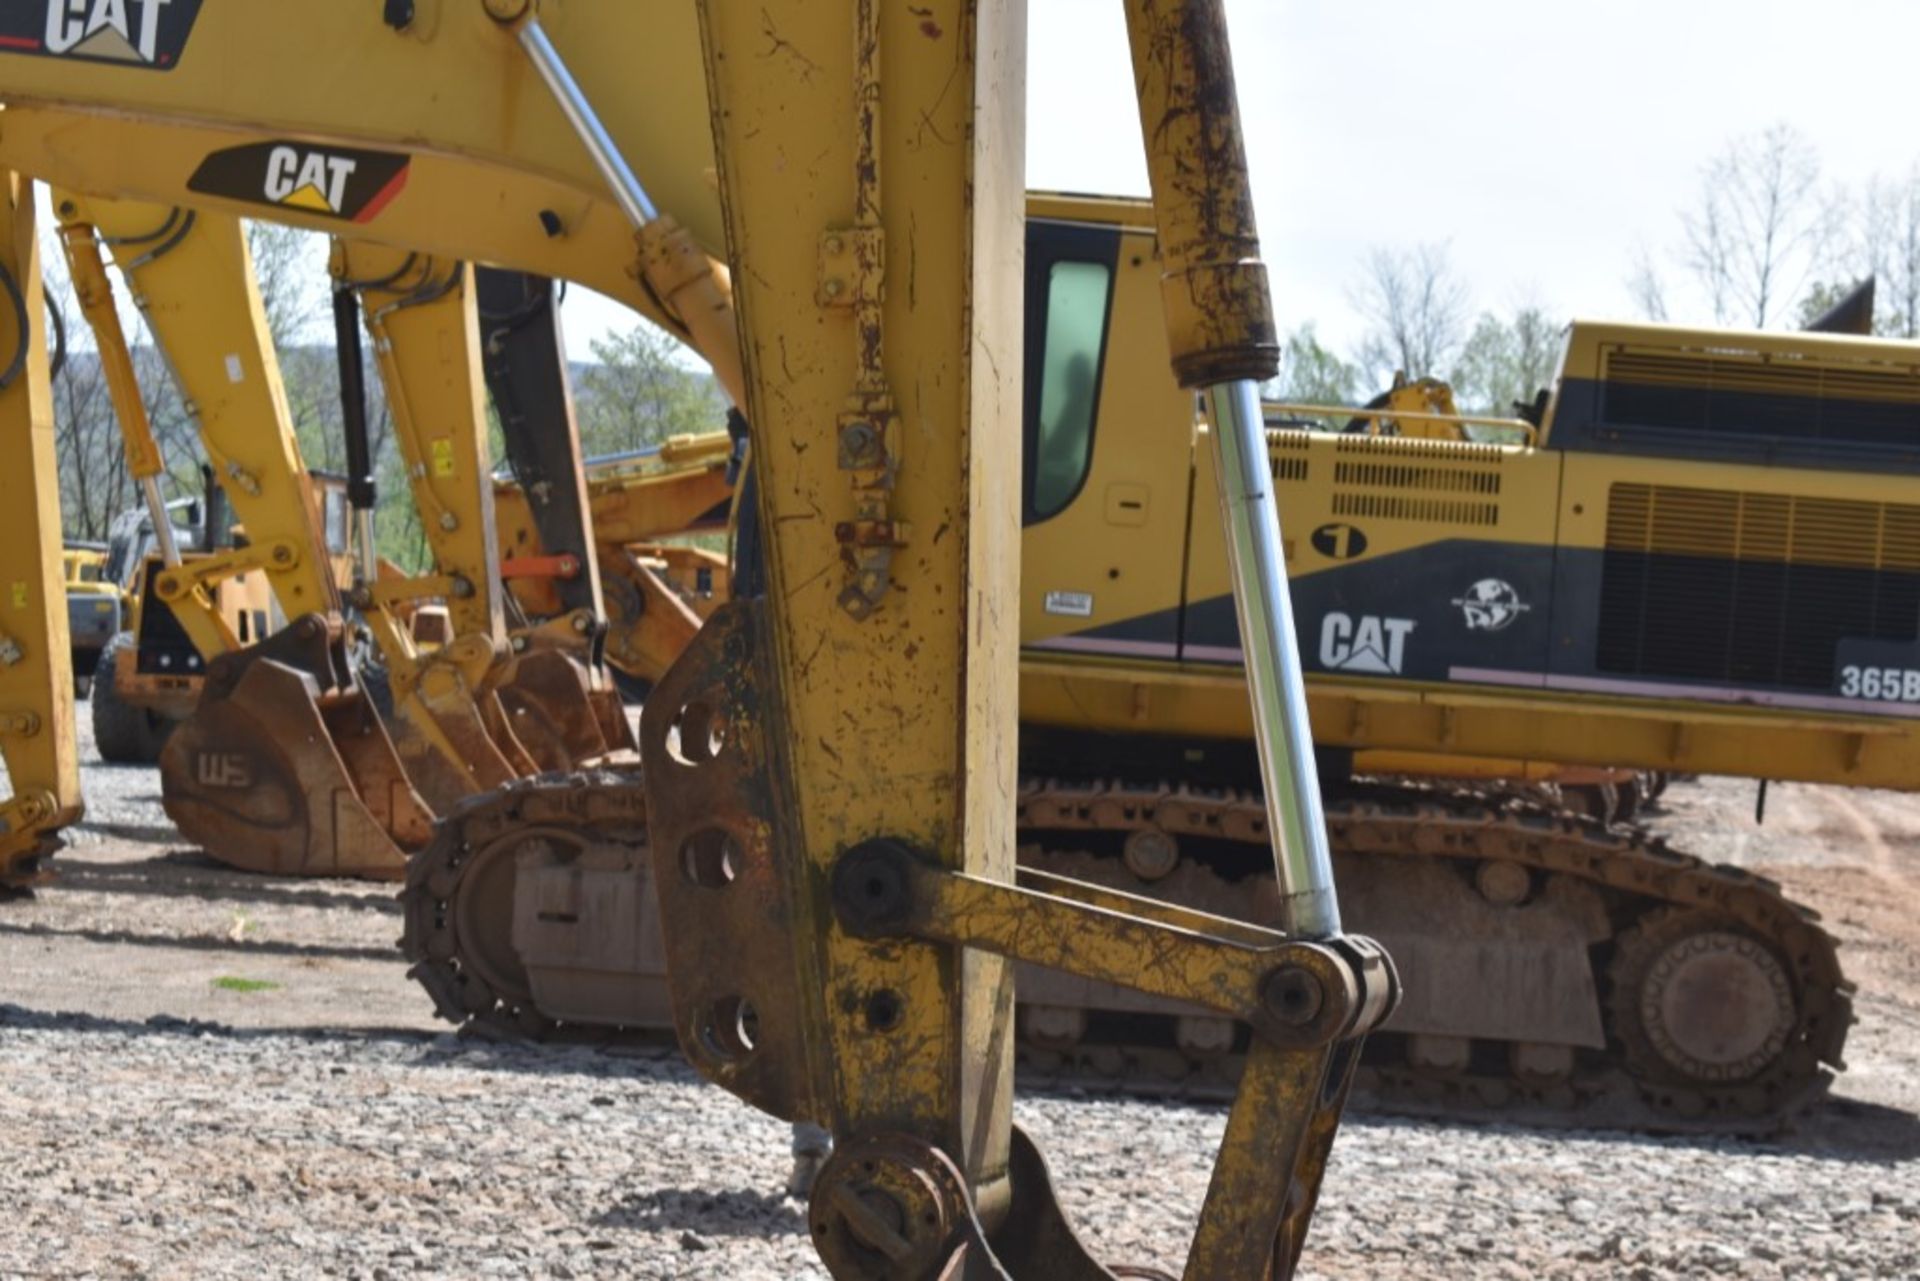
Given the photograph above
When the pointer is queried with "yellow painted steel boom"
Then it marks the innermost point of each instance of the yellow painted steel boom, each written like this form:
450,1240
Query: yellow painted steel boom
830,770
270,773
36,682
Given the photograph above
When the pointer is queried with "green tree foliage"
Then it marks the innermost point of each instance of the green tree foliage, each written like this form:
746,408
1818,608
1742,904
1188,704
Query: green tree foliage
1506,361
1311,373
641,392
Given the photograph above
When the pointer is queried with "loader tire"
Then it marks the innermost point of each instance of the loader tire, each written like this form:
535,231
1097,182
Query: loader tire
123,734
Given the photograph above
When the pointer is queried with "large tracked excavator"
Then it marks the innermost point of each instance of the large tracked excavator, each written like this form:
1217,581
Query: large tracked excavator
829,769
1579,973
1574,935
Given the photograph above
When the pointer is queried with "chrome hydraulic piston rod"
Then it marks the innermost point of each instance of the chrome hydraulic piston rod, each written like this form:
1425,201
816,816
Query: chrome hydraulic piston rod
1224,344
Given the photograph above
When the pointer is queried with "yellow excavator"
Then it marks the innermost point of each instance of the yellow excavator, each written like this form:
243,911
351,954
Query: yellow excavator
480,708
1578,973
492,702
36,676
283,764
829,770
1139,761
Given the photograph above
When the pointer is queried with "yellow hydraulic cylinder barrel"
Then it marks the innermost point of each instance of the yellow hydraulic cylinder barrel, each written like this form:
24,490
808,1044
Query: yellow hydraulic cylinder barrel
36,681
192,277
95,292
1219,312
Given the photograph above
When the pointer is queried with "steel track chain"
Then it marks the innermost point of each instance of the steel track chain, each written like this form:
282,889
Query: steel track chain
442,959
1416,821
1385,820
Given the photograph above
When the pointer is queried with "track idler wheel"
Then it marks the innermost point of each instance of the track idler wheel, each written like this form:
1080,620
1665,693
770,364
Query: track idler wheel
1700,1002
532,908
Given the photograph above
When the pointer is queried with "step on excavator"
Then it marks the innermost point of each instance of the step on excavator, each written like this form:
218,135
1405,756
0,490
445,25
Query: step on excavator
829,770
1127,666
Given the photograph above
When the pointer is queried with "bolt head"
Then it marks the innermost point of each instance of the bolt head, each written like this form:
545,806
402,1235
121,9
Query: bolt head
1293,995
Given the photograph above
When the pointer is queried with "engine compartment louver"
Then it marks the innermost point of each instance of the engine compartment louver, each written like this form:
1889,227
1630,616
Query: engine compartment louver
1431,481
1747,394
1755,589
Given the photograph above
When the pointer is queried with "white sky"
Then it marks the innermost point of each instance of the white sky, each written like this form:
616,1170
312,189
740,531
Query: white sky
1542,140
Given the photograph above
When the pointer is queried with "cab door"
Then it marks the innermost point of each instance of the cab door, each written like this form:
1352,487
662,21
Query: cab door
1108,441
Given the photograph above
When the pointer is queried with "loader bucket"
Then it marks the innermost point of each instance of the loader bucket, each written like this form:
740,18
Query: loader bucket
284,768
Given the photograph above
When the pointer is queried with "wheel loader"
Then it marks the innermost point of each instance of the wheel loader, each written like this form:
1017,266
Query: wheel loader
829,769
147,676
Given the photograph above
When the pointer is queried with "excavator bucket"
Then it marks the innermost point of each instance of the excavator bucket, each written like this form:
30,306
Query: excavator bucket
565,717
285,769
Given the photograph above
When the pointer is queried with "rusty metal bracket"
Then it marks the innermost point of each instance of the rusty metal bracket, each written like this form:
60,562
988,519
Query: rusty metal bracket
738,908
1294,994
745,1007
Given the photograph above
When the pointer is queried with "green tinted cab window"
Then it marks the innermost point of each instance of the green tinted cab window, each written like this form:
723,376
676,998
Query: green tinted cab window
1070,365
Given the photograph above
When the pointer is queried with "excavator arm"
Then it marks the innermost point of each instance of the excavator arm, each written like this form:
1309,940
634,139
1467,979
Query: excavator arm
36,682
283,765
830,768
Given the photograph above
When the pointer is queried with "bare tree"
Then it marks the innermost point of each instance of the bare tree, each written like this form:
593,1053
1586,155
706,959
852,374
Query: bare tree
1890,249
1646,287
290,266
1416,309
1760,229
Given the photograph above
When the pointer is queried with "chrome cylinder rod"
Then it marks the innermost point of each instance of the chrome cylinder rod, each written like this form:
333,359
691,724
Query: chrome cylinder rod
1296,819
366,553
162,521
613,166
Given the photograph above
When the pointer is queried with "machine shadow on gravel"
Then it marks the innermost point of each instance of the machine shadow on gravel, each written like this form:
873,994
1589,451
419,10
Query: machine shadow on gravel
729,1213
431,1049
191,874
1835,1129
204,943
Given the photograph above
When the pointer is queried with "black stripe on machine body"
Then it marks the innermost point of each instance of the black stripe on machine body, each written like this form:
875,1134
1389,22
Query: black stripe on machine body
1723,425
1442,605
1652,624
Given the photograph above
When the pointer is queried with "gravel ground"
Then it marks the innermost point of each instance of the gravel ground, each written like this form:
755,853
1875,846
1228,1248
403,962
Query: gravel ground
165,1121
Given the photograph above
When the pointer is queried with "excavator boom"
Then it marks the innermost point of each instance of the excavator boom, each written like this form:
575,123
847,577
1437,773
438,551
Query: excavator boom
36,682
829,787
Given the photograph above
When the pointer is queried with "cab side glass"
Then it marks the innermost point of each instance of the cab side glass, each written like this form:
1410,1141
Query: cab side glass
1076,318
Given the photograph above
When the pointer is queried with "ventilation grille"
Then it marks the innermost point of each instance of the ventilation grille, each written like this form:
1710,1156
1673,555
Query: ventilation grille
1431,481
1287,454
1742,394
1397,507
1755,589
1400,447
